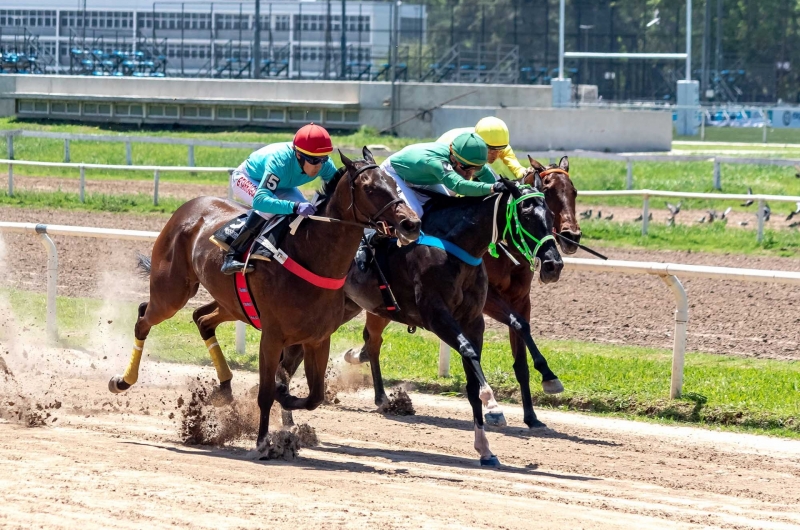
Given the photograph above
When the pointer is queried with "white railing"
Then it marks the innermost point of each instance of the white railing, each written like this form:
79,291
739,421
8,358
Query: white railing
552,155
631,158
666,271
646,194
45,231
190,143
83,167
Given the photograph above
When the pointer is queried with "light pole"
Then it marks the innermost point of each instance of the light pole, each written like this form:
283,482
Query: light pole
585,28
257,41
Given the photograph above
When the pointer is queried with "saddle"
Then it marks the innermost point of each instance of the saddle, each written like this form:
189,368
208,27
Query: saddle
274,231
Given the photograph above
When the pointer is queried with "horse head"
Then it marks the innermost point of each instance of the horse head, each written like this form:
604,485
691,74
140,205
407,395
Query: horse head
535,225
375,200
560,194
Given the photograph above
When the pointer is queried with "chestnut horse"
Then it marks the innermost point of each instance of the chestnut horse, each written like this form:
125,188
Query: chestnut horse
292,311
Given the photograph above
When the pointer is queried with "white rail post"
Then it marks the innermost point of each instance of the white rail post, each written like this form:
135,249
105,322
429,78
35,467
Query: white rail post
191,155
128,154
82,185
645,214
10,146
679,345
155,188
66,150
766,124
702,126
760,215
444,359
629,182
52,282
717,175
10,179
241,336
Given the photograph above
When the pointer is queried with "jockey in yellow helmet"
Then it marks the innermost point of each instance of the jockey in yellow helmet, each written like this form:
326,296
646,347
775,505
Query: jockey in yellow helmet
494,132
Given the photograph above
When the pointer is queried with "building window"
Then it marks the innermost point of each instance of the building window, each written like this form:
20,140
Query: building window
232,113
351,116
65,107
162,111
23,17
27,106
305,115
281,22
197,113
134,111
96,109
273,115
232,22
334,116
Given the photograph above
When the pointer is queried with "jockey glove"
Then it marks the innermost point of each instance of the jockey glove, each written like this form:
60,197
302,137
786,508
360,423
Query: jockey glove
499,187
304,208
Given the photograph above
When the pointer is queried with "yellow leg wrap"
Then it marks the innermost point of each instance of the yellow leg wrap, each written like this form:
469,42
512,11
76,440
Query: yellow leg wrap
223,371
131,374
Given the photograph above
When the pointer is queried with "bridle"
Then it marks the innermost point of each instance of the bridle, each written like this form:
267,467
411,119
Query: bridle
372,221
517,233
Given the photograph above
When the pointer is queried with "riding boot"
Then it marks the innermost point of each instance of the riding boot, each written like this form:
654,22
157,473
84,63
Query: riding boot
234,259
364,253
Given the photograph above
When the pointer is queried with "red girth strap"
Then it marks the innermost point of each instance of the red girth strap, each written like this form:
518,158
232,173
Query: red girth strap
246,301
314,279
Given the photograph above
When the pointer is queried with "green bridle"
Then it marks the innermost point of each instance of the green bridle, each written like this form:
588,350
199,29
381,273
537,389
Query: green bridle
517,232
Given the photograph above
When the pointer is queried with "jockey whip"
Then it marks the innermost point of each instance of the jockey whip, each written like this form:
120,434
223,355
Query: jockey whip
587,249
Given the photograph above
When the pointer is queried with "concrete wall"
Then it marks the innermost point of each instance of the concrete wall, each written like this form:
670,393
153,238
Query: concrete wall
591,129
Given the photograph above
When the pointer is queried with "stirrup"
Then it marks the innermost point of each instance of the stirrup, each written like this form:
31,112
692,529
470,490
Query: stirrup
231,266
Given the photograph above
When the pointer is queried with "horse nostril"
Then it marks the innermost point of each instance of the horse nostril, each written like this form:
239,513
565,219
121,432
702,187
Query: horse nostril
548,266
410,226
572,236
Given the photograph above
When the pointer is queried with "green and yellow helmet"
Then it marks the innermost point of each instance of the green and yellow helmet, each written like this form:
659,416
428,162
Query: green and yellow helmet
469,149
493,131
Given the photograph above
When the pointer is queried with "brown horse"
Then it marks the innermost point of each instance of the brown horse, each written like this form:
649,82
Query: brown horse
508,299
292,311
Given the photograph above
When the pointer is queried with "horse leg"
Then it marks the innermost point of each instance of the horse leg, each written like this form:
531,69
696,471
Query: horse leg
373,339
474,334
290,361
171,297
207,318
445,326
520,316
268,359
315,361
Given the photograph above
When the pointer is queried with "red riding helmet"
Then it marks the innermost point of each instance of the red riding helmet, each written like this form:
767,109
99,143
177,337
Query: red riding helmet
313,140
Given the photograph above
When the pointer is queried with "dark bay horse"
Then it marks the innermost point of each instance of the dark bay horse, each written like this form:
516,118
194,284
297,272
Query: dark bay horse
508,296
292,311
441,293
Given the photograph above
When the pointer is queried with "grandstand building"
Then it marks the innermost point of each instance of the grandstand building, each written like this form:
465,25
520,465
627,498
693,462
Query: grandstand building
156,38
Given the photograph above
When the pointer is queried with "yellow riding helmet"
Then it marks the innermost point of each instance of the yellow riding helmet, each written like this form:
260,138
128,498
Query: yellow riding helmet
493,131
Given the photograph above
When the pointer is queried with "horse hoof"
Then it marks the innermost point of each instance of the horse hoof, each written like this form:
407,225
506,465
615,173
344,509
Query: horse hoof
352,356
535,424
495,419
117,386
492,461
222,395
552,387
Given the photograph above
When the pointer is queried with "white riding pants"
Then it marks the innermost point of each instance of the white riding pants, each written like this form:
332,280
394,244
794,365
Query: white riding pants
244,190
415,200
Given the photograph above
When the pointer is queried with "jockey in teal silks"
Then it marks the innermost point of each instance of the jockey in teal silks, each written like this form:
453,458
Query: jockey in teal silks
268,181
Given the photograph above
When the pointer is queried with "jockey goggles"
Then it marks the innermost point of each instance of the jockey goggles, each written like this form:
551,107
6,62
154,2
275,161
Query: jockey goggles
313,160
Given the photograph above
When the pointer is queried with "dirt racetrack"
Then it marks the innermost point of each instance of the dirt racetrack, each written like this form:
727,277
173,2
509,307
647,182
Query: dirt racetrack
725,317
110,461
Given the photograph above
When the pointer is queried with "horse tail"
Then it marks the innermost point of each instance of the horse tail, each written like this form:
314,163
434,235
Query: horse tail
143,264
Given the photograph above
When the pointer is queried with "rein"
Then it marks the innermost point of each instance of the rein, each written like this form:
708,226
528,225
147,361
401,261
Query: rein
517,232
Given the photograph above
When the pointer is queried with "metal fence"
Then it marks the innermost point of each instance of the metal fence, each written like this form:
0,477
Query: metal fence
666,271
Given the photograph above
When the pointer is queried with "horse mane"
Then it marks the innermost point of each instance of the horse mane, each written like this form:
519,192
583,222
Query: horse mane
438,201
326,192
